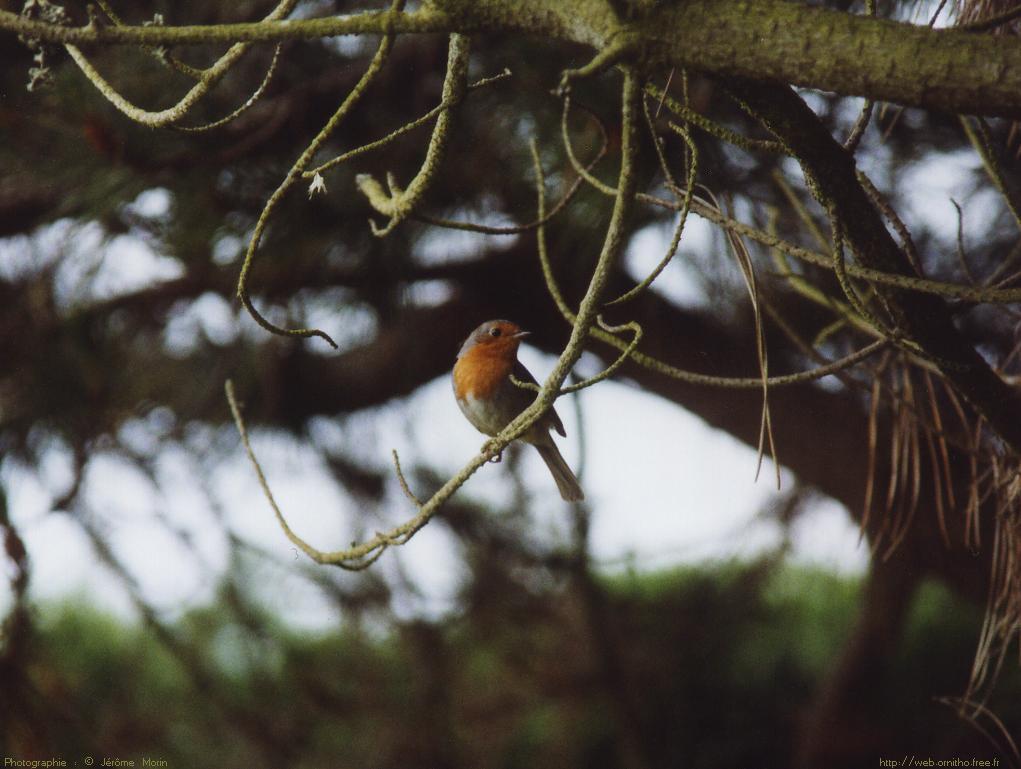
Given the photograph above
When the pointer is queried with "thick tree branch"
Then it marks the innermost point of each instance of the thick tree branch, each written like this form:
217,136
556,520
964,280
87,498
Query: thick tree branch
766,40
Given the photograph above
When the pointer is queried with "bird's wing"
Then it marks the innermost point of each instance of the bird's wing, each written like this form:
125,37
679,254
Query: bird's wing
522,373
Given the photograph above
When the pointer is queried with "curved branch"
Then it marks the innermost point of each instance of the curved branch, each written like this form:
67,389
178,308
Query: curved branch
689,194
421,120
207,79
544,216
607,372
248,104
711,127
399,204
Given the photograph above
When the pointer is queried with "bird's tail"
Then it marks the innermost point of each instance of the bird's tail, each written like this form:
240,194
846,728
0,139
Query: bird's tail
568,484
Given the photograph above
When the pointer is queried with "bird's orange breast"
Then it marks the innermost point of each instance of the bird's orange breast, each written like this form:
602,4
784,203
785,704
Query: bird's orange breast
480,372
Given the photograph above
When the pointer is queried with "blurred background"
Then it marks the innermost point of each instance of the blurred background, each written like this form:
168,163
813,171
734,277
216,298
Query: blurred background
684,615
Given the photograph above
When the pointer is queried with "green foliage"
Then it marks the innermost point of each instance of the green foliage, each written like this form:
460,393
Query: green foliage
729,655
720,661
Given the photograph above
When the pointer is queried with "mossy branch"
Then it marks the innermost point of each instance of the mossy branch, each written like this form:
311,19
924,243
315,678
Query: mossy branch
247,105
158,52
702,207
399,204
366,23
688,115
206,80
545,216
689,194
606,373
398,132
861,123
864,56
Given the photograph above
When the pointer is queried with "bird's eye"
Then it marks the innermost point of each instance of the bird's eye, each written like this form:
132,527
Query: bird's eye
494,332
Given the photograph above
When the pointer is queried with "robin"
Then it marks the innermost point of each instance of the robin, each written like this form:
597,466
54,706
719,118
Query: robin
490,400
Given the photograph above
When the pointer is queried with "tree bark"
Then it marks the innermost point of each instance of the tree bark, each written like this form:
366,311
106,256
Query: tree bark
770,41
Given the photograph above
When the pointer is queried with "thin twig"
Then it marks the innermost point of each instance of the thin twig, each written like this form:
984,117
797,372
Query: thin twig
978,135
251,101
399,132
689,194
975,294
689,115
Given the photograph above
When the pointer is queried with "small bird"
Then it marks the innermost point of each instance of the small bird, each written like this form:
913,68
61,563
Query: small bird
490,400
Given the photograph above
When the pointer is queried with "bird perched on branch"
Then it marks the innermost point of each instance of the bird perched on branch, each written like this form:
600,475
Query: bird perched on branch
490,400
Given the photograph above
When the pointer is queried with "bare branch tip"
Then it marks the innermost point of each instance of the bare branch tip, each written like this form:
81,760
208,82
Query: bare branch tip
405,486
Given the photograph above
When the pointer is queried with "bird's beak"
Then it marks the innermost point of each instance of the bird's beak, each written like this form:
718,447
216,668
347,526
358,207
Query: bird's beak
521,335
